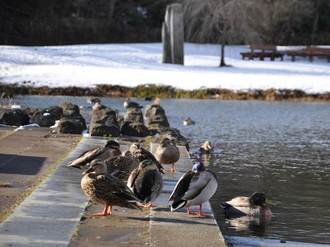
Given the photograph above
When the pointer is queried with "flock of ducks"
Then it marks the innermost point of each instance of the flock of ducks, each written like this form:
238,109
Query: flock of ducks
134,179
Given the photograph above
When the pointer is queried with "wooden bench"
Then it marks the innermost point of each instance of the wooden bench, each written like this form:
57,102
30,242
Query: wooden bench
310,52
262,52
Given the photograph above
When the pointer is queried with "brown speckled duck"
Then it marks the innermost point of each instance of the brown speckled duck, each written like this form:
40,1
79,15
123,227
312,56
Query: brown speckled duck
122,166
167,153
109,150
141,154
105,189
146,182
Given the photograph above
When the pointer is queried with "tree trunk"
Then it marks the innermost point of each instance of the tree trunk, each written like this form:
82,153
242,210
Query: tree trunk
222,60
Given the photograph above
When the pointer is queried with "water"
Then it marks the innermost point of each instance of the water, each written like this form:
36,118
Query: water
280,148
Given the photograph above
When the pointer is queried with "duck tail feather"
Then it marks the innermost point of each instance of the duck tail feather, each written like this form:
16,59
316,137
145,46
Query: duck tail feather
178,204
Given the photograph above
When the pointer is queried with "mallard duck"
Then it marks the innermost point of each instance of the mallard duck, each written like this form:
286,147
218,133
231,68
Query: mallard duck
146,182
254,205
141,154
122,166
194,188
131,104
167,153
110,150
101,187
188,121
206,147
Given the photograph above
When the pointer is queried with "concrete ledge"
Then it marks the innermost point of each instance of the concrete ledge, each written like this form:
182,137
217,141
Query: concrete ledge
51,215
48,217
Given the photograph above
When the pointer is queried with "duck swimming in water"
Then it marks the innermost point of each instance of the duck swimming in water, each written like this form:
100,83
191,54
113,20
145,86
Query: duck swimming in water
101,187
206,148
188,121
254,205
194,188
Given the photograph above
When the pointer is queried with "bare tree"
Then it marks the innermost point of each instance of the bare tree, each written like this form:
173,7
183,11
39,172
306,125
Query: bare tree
274,22
246,21
320,18
211,20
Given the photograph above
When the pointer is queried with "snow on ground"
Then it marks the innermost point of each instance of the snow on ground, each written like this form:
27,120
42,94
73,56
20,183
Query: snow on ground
134,64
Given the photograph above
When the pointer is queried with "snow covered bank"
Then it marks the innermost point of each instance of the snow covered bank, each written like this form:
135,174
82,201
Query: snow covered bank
135,64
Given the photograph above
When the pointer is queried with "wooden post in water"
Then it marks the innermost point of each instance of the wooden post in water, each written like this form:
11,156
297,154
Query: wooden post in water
173,35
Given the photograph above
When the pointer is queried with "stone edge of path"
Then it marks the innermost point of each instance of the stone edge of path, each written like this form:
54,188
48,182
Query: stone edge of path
50,215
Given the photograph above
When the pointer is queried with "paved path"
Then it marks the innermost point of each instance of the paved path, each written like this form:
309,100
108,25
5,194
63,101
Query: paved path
26,158
50,216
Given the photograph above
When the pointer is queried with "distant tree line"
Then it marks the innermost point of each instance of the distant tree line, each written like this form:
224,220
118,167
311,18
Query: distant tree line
33,22
258,21
41,22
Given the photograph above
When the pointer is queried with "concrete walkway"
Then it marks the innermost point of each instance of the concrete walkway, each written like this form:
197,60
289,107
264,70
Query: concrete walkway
51,214
26,158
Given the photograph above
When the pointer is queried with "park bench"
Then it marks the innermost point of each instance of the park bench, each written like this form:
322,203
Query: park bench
310,52
262,52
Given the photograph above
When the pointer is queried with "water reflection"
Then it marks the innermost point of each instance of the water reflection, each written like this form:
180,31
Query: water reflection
248,224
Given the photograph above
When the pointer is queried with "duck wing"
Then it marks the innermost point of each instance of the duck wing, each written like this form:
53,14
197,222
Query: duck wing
182,186
239,201
86,157
147,185
115,192
157,185
109,153
196,186
121,166
132,177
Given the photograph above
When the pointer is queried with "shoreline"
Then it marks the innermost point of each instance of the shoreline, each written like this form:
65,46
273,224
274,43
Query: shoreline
151,90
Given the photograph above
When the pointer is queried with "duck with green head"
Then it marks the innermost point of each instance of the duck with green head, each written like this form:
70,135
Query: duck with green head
194,188
254,205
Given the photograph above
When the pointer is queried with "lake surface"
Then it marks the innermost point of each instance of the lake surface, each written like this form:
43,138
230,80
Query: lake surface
280,148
